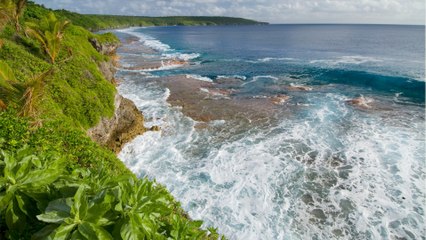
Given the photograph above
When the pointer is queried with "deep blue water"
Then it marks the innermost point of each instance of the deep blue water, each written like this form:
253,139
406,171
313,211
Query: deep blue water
322,169
389,58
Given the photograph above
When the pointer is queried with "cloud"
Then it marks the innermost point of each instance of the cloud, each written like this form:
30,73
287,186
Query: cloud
274,11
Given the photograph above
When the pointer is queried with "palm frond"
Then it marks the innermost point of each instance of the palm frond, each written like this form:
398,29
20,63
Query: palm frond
49,33
33,94
2,105
7,77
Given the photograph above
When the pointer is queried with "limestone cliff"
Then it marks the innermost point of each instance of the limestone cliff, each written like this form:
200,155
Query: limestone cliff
127,121
124,126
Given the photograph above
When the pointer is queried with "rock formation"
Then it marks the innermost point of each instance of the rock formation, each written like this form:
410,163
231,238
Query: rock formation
124,126
127,121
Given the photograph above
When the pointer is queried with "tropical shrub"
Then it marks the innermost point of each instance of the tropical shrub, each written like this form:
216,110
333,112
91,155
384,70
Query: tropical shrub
38,199
49,32
55,183
7,79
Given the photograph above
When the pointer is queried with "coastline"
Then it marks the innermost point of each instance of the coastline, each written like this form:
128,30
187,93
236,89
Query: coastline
127,121
220,149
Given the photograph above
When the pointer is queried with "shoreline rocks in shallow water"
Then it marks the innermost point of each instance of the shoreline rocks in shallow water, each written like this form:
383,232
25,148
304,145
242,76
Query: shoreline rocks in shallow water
280,99
205,101
124,126
361,102
299,88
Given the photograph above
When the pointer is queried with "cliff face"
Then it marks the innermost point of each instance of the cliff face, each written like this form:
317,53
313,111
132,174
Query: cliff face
124,126
127,121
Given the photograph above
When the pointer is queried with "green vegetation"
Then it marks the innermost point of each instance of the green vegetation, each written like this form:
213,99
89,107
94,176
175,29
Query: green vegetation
49,32
99,22
55,182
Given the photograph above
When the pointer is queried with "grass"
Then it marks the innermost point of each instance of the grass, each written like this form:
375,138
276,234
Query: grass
55,182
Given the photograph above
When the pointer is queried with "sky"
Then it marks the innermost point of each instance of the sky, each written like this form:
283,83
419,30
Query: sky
272,11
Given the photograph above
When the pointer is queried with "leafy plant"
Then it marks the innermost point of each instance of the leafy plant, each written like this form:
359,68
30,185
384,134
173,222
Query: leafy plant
33,94
9,90
24,180
77,217
140,206
18,10
49,32
7,79
11,10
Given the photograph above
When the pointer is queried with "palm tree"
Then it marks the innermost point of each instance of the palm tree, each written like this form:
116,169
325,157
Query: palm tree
11,11
29,94
7,80
33,94
19,9
49,33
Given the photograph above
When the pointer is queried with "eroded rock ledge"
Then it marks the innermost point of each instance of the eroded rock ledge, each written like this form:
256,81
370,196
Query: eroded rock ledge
127,122
124,126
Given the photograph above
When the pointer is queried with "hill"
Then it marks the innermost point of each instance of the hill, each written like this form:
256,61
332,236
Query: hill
100,22
56,83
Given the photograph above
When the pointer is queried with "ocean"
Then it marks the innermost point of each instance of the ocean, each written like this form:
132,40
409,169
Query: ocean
283,131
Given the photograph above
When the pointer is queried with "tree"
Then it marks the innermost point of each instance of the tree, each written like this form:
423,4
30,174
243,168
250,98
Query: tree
19,9
7,80
29,93
33,94
11,11
49,32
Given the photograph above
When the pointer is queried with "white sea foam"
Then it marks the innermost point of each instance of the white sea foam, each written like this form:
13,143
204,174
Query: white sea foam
269,59
334,172
256,78
316,176
166,51
181,56
356,60
198,77
232,76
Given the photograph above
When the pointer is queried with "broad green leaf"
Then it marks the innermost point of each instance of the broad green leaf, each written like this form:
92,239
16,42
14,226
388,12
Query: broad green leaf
6,76
130,231
62,232
2,182
5,199
53,217
40,178
24,204
91,231
60,205
44,233
76,235
24,166
15,219
79,209
99,208
196,224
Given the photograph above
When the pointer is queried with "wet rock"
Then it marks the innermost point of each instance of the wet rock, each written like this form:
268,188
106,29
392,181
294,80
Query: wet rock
155,128
361,102
174,62
280,99
196,101
299,88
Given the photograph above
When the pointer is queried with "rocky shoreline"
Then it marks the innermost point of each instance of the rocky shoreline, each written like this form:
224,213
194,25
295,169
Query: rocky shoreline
127,121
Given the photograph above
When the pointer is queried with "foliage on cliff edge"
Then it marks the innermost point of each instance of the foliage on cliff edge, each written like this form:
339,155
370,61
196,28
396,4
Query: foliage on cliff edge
55,183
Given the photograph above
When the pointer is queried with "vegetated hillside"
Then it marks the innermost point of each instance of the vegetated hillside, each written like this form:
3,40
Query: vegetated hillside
99,22
55,183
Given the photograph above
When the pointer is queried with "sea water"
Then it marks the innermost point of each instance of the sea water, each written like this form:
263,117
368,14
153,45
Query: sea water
316,167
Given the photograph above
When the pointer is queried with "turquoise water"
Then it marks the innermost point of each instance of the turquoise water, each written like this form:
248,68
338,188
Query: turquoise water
315,166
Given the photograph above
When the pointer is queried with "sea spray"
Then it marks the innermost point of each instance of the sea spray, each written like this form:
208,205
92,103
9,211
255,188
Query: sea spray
318,167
